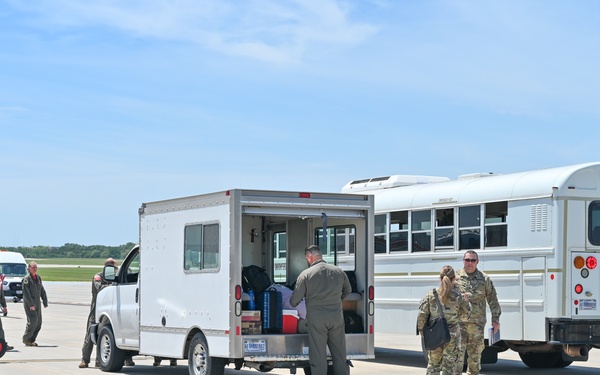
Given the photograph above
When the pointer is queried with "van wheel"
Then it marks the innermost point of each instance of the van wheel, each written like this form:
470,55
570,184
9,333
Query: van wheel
111,358
199,361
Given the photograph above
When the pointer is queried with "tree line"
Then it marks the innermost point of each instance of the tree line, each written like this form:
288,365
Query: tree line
72,250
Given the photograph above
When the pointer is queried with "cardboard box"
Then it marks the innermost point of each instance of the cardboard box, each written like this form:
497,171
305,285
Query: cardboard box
251,328
348,305
290,321
251,316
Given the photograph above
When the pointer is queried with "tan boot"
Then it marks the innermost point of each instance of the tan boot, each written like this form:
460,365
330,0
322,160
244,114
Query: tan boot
83,364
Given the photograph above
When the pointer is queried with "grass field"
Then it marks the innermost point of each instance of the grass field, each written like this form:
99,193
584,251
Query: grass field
70,268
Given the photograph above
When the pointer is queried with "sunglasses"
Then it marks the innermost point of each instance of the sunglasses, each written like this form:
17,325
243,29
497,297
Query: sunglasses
470,260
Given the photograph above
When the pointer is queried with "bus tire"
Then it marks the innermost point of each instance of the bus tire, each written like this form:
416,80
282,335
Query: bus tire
199,360
541,360
110,357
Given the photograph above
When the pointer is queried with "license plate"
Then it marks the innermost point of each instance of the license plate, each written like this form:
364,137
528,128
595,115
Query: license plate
255,346
587,304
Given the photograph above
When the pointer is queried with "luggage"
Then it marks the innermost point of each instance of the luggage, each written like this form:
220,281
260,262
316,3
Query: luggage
270,305
255,278
352,322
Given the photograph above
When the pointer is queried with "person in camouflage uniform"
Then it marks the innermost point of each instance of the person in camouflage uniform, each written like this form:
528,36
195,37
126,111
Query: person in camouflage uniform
456,308
478,288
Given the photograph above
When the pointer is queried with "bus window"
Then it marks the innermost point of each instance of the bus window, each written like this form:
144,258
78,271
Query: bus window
380,234
421,230
398,231
341,241
444,228
469,227
496,231
594,223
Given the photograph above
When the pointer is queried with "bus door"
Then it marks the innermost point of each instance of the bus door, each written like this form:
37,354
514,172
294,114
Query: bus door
534,297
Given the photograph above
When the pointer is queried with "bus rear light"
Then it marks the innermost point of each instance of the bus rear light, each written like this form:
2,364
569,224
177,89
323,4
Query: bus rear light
578,288
591,262
579,262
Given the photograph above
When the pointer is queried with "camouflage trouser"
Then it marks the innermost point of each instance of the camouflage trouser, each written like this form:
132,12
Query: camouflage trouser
472,343
444,358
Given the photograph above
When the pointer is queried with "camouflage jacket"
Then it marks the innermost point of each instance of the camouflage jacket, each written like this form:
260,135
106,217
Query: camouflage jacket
456,308
479,288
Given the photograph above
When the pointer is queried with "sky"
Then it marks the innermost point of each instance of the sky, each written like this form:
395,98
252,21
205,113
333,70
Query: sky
108,104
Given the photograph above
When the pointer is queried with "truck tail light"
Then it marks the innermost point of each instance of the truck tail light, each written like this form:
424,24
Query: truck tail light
371,292
238,292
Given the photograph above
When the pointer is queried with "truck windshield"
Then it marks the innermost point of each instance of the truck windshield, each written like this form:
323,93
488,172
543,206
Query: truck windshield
13,269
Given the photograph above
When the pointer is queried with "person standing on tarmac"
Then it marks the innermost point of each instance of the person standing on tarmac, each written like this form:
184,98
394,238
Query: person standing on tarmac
456,308
33,291
98,283
324,286
478,288
4,312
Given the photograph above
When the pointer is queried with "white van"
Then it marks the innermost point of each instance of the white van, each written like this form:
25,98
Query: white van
14,269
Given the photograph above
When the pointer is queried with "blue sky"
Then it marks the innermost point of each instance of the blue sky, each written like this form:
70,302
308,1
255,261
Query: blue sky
108,104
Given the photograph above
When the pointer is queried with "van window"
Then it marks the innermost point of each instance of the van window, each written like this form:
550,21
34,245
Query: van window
201,247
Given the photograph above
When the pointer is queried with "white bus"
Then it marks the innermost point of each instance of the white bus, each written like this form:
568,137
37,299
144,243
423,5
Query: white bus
537,234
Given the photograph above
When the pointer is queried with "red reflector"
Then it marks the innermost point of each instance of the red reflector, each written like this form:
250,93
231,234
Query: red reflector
371,329
238,292
552,277
371,292
578,288
591,262
304,195
237,330
576,302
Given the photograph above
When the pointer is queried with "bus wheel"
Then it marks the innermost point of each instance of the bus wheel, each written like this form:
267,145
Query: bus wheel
541,360
199,362
111,358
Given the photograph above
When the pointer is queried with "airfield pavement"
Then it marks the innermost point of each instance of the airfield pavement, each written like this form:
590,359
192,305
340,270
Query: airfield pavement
63,329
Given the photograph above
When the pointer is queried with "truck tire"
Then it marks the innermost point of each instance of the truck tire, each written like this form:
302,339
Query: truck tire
110,357
199,360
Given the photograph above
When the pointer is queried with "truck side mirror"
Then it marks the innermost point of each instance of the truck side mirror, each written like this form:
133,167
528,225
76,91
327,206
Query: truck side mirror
110,273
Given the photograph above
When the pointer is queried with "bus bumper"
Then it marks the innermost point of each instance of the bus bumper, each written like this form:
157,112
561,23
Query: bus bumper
569,331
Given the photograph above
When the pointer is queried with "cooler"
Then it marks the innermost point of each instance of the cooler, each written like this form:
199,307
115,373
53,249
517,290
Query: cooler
290,321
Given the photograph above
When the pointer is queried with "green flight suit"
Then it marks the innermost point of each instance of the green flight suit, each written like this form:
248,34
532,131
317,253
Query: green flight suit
33,294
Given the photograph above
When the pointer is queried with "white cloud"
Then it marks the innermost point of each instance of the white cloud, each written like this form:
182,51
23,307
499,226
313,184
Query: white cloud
272,31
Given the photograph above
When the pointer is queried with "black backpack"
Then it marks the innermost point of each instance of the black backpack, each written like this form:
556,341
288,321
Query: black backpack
255,278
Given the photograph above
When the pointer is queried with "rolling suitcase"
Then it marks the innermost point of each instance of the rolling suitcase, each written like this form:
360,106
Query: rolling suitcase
270,304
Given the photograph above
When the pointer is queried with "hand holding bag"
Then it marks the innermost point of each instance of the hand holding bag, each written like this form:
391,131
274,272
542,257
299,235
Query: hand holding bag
436,332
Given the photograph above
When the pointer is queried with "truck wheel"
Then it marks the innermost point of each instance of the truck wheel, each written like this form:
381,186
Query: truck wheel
541,360
199,361
111,358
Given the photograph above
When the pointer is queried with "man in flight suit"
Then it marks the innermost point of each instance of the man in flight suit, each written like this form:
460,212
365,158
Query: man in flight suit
98,283
4,311
33,292
323,286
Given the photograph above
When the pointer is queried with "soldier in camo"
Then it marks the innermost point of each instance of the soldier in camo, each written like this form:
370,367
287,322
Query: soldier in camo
456,308
478,288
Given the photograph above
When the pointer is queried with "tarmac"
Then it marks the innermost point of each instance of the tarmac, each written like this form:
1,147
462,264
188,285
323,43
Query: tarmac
64,324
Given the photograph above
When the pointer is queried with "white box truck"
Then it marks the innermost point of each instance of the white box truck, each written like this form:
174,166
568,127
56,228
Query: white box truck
178,294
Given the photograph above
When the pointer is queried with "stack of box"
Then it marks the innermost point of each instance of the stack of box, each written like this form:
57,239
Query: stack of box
251,322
